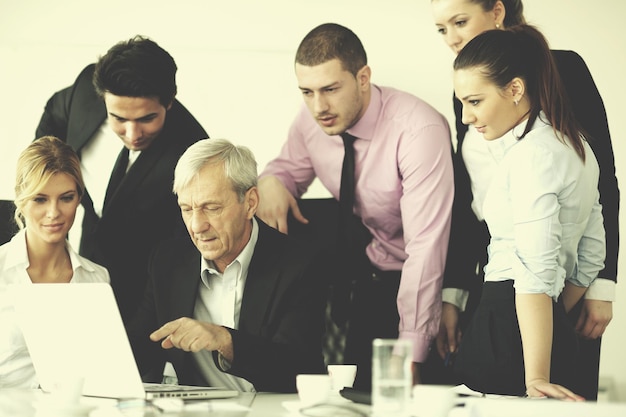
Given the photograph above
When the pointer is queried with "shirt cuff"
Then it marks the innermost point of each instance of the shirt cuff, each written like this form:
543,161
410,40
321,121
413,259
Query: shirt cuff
456,297
601,289
224,365
421,345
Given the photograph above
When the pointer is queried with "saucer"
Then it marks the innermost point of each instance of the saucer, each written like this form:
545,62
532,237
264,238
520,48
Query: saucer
296,406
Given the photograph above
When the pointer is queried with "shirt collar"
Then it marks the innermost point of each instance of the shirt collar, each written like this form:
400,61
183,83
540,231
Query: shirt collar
499,147
243,259
17,255
366,126
76,260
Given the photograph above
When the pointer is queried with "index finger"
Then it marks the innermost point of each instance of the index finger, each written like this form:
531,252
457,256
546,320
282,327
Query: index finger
164,331
281,225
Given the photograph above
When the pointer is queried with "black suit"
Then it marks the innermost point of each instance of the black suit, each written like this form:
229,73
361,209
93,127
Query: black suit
144,210
469,237
281,321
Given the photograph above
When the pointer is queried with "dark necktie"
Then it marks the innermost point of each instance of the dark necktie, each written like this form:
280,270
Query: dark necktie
342,287
118,173
346,191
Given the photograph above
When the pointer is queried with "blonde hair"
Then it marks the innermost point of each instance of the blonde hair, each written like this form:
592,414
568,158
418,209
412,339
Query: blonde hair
42,159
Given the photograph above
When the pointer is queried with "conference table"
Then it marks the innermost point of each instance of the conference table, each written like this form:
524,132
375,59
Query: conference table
34,403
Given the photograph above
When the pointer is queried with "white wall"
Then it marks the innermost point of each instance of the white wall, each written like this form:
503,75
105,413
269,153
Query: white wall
235,62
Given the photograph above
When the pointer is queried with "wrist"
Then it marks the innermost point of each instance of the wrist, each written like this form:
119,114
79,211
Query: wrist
537,380
225,348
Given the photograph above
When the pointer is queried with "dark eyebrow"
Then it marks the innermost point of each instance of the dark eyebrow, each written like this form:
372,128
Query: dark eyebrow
468,96
146,117
324,87
456,16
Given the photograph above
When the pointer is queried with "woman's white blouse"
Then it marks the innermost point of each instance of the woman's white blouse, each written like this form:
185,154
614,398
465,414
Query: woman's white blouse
16,368
543,213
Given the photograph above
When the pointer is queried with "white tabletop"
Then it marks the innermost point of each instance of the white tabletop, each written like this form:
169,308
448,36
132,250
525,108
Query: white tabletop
34,403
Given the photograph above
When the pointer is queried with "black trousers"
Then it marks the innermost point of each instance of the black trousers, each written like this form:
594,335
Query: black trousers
373,314
490,357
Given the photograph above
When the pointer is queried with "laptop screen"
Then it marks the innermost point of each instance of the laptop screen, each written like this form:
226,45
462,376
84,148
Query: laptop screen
75,331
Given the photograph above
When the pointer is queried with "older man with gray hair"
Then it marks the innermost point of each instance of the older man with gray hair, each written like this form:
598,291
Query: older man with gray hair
239,305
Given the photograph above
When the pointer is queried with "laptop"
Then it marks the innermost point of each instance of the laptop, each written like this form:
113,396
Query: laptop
76,331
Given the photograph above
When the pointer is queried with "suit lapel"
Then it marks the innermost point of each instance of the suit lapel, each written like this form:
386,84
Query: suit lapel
263,278
145,165
186,276
179,289
86,120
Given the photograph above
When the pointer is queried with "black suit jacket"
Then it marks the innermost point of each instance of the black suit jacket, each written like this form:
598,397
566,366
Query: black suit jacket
144,210
281,321
469,237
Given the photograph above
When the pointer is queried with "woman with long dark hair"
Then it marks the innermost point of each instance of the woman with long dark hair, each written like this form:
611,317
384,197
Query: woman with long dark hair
543,213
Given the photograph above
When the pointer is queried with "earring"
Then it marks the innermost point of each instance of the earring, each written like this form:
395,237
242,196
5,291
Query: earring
516,102
497,25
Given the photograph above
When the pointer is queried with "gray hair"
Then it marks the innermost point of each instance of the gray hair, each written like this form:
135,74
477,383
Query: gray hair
240,166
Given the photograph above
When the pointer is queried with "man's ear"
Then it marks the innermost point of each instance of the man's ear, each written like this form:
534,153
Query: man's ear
364,76
251,200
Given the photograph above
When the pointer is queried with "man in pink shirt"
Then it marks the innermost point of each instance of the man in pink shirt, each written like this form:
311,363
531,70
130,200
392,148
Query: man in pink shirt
403,191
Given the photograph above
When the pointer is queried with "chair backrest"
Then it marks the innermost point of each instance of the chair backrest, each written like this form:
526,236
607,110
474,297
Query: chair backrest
7,225
322,231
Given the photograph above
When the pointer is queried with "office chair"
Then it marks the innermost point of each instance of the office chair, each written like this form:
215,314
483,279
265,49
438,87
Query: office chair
7,225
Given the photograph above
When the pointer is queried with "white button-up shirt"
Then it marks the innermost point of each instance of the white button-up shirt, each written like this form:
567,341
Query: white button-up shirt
543,212
16,368
219,302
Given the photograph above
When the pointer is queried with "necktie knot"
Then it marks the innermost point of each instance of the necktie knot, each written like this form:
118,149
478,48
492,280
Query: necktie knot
348,139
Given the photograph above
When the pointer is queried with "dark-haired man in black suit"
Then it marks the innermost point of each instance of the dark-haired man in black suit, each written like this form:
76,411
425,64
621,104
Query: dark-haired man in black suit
129,94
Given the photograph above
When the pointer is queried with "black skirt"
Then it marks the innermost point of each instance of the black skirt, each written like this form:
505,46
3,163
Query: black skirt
490,357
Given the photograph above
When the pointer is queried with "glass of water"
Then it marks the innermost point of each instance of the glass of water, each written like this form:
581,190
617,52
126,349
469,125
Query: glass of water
392,378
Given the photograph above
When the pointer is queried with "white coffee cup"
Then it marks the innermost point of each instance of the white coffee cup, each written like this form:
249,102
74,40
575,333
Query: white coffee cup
313,389
341,376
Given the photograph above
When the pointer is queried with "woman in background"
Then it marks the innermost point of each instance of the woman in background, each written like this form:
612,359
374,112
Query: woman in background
459,21
542,208
48,189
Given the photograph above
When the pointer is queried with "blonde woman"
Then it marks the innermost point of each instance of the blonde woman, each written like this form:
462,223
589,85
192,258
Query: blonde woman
48,190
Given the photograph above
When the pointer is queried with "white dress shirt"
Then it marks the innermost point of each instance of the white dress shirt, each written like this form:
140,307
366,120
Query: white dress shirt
97,159
219,302
16,368
480,164
543,212
481,159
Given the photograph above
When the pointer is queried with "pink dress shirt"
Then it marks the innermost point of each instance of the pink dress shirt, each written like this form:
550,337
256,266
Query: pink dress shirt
404,192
